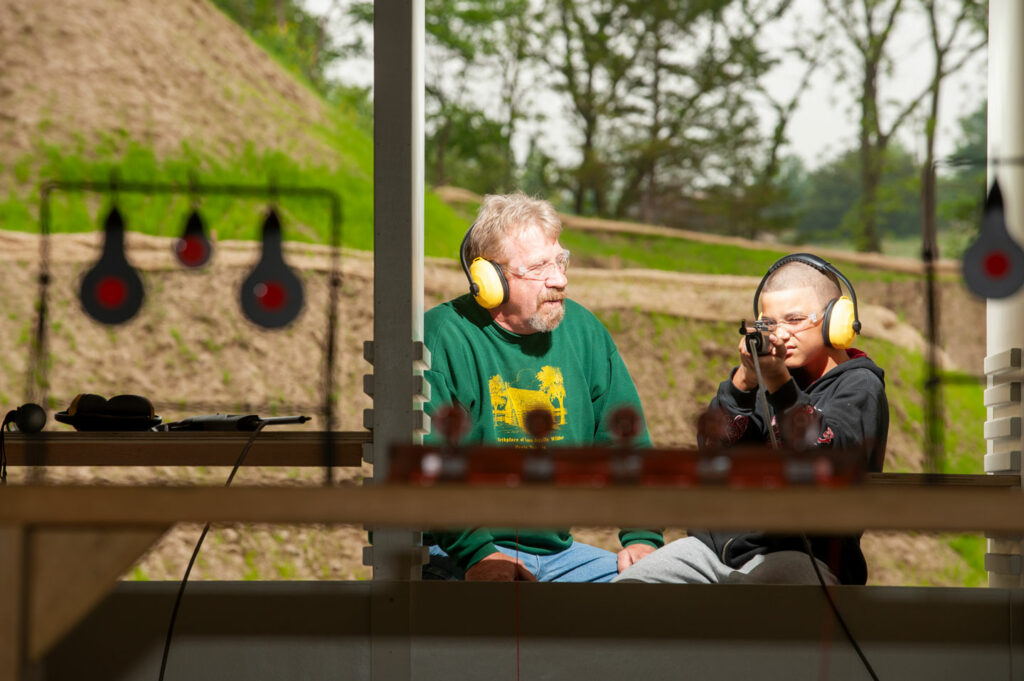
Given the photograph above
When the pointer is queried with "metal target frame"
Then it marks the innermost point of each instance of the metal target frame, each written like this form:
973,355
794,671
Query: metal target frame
38,365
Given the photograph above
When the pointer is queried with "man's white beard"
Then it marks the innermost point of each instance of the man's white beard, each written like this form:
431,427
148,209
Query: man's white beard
547,318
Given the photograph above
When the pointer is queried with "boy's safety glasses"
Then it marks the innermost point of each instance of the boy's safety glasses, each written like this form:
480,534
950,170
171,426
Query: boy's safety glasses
794,322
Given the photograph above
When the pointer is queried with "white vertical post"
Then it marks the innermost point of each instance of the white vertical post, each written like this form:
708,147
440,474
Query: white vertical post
1005,325
398,34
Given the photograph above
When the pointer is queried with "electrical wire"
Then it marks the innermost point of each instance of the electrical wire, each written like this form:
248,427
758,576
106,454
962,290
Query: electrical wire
835,609
195,552
807,542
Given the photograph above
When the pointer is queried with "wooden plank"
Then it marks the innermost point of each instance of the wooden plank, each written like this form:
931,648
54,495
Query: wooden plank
11,606
945,479
272,448
72,570
927,508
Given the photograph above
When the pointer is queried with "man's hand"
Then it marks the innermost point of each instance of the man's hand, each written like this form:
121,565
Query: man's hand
497,567
633,553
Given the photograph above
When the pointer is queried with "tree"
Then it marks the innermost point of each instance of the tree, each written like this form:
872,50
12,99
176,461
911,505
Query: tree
470,42
831,209
294,35
867,26
950,56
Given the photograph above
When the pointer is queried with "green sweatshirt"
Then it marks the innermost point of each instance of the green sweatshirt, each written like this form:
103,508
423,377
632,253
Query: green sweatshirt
498,377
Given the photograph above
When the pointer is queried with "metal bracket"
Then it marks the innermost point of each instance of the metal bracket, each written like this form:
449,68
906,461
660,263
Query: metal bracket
1001,362
1003,462
368,351
1008,426
1002,394
420,355
1002,563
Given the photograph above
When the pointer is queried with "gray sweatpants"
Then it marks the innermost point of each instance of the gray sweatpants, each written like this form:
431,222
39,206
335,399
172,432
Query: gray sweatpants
690,561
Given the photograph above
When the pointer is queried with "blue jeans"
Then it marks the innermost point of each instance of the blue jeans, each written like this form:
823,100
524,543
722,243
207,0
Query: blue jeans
578,563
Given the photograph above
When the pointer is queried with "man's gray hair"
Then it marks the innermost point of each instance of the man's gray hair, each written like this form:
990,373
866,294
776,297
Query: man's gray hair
503,217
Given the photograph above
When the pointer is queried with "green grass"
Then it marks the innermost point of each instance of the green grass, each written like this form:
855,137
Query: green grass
684,255
348,172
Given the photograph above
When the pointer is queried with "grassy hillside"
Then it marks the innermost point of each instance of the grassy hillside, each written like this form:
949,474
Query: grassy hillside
164,93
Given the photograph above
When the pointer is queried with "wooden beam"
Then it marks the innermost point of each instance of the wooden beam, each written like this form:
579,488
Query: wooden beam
11,604
72,570
271,448
927,508
944,479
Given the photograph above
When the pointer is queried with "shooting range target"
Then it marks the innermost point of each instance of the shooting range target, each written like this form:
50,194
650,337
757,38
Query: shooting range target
994,264
271,296
111,291
193,249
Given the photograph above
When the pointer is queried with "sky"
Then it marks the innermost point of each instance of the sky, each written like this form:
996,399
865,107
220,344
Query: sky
825,122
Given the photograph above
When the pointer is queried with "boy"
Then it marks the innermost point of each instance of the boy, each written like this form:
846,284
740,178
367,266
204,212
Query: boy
836,394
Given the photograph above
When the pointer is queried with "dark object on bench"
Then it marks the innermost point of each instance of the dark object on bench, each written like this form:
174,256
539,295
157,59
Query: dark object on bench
89,412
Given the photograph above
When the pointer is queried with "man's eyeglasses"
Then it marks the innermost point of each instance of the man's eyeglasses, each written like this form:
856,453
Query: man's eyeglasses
794,322
541,271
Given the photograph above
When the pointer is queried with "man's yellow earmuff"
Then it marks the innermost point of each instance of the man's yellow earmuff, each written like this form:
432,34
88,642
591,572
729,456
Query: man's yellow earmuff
487,283
841,323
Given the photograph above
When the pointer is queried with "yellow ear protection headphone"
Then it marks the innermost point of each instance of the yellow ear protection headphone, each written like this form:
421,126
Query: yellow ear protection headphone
487,282
841,323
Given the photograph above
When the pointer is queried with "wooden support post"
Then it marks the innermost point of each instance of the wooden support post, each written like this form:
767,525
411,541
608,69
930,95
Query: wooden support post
398,32
12,607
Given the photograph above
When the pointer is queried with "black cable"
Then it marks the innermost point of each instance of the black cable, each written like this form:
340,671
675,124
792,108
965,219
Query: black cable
195,552
835,610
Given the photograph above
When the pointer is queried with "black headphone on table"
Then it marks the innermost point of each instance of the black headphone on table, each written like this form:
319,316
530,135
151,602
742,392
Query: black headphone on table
841,323
28,418
487,283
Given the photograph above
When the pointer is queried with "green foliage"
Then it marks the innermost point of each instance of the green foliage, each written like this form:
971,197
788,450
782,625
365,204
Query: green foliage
962,192
297,39
832,199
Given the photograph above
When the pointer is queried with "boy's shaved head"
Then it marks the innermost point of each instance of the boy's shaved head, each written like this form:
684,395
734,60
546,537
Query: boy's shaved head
797,274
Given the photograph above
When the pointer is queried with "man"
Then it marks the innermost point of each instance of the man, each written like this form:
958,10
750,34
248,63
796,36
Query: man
516,344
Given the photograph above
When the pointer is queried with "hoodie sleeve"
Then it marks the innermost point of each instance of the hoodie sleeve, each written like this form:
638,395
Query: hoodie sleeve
735,417
853,416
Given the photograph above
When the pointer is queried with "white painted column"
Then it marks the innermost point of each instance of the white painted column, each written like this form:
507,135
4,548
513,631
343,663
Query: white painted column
397,351
1005,329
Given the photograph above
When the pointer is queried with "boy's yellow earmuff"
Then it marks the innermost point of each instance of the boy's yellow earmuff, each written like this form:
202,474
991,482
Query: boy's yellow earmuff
840,326
841,323
487,282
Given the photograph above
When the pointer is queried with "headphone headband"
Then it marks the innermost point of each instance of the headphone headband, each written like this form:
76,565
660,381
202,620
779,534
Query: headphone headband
474,288
817,263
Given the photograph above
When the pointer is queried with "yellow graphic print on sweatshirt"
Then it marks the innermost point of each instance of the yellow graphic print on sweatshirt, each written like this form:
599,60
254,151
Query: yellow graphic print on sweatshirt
510,403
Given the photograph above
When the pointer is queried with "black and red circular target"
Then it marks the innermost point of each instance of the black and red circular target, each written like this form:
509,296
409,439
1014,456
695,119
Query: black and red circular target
993,265
272,296
194,248
111,291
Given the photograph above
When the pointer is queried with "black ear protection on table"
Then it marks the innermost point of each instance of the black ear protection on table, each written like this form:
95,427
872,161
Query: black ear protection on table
28,418
487,282
841,323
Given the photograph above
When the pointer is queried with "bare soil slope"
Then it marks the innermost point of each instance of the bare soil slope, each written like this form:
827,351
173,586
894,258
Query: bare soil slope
159,73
